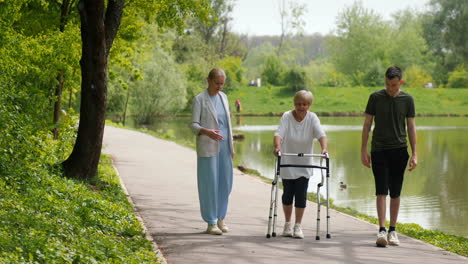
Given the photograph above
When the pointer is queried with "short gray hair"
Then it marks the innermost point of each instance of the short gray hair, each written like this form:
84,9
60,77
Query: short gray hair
304,95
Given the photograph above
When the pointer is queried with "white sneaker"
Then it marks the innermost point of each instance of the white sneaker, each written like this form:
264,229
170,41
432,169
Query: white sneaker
298,231
393,238
381,239
222,226
288,230
213,230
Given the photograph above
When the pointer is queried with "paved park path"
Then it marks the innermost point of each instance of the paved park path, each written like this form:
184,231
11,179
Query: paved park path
160,177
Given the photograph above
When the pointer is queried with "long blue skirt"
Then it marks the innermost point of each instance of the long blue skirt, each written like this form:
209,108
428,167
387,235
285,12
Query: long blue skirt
214,175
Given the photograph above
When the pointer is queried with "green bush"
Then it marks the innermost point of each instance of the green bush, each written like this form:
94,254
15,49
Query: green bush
232,66
296,79
273,70
196,74
458,78
416,77
162,89
333,78
374,76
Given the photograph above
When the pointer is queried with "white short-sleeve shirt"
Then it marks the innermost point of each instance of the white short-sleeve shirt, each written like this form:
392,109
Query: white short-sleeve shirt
298,137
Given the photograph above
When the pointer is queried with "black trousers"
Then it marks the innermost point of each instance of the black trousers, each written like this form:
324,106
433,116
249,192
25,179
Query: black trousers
389,167
295,189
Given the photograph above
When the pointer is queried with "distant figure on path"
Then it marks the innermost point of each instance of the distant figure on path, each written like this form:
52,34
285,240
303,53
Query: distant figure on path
238,105
390,107
211,124
296,133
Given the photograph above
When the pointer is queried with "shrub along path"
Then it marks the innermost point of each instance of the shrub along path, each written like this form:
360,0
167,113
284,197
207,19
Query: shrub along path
160,177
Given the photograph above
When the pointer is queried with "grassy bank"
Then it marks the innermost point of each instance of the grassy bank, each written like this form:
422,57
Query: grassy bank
449,242
345,101
46,218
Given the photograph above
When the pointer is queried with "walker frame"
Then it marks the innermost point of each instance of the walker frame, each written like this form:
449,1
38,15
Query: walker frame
274,190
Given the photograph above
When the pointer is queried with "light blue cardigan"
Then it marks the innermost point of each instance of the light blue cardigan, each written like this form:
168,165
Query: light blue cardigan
204,116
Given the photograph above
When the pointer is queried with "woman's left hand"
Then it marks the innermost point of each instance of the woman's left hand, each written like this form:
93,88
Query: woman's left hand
325,152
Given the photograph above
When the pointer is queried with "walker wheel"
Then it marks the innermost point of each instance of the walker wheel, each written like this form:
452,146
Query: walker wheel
268,235
274,234
328,236
317,238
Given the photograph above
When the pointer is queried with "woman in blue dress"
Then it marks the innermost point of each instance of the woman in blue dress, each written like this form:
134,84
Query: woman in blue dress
211,123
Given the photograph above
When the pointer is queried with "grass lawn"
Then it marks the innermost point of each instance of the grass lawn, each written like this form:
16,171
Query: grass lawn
271,100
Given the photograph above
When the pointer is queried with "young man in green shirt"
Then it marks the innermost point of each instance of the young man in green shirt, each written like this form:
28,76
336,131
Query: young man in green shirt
393,112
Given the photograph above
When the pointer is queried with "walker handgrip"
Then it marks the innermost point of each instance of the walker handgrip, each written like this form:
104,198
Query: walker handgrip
305,155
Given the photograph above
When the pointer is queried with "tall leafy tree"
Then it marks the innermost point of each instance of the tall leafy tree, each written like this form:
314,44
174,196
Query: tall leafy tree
217,22
291,21
100,22
46,22
99,25
211,39
446,31
450,22
361,39
66,7
408,46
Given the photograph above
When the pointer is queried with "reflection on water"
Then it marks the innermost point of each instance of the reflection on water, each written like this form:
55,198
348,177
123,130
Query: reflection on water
274,127
329,128
434,195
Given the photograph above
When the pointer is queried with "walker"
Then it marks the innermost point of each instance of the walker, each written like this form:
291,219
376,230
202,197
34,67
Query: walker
274,190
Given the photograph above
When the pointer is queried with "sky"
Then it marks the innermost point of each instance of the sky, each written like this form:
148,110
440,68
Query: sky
261,17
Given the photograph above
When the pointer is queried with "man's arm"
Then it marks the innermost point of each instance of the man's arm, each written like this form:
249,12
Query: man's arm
412,139
365,157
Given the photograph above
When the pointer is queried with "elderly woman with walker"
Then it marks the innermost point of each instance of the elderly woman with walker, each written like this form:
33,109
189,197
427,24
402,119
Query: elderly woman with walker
296,133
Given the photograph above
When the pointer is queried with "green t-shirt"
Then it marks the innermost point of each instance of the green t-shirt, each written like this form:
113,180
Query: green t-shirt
389,114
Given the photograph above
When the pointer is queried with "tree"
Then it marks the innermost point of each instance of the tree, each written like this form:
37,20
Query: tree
65,11
215,31
53,24
214,25
451,21
446,30
257,57
362,39
99,25
291,21
161,89
408,46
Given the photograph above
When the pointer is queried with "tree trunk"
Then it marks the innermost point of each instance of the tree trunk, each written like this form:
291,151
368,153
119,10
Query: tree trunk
57,104
224,36
98,31
283,18
64,12
126,105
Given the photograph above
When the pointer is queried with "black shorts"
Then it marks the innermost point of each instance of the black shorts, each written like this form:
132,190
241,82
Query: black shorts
296,189
389,167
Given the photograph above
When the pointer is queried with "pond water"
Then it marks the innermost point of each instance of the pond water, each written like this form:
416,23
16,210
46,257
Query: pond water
435,195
